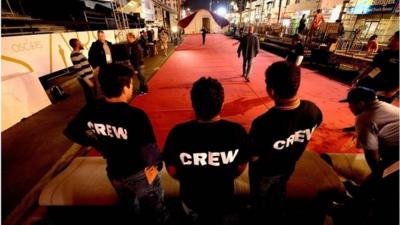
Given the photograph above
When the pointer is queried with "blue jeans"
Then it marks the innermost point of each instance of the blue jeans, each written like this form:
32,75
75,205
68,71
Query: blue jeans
268,196
147,200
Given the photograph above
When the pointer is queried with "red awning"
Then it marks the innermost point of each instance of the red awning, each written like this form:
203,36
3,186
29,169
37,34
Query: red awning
222,22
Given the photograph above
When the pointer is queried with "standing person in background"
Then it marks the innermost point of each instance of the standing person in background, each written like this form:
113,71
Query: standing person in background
150,42
316,23
249,47
302,24
373,45
203,34
155,42
296,52
143,43
149,35
100,52
100,55
83,70
340,28
136,60
164,41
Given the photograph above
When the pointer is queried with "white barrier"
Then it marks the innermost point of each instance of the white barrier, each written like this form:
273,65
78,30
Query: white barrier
47,53
26,58
22,95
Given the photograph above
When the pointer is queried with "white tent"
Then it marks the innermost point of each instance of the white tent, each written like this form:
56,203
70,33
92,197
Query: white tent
193,23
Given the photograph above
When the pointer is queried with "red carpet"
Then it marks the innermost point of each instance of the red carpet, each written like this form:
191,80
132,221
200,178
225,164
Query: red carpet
168,102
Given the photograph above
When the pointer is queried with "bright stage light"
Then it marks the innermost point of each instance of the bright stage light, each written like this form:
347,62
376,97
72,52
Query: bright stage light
221,11
174,29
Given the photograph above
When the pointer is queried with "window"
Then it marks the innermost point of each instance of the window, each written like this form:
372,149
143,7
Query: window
297,1
287,2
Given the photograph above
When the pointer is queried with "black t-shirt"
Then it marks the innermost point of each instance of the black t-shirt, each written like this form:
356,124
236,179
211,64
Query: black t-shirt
206,157
294,52
203,32
120,132
388,63
279,138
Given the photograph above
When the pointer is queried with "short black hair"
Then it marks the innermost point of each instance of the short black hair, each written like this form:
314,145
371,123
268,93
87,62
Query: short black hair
73,42
373,37
100,31
207,96
283,78
113,78
319,10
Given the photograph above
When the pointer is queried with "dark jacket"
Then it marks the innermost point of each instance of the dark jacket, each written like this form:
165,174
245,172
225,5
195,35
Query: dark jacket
97,56
249,46
135,53
302,25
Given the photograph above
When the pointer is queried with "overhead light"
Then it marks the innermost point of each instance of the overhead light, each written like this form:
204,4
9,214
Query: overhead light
221,11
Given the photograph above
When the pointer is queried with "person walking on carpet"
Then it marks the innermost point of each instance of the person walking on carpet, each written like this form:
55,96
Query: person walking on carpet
249,47
203,34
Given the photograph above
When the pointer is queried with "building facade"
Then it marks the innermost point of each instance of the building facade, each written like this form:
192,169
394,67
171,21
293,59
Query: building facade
289,11
166,13
369,17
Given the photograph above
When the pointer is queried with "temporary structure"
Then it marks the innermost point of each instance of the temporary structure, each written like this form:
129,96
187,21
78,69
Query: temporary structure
193,23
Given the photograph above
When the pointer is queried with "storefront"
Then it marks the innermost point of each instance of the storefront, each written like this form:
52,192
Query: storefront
371,17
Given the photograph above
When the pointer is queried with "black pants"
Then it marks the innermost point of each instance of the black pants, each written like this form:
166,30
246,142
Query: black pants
204,39
247,65
142,81
90,93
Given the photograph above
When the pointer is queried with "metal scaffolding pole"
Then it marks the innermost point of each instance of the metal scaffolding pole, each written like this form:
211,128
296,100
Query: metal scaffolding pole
120,18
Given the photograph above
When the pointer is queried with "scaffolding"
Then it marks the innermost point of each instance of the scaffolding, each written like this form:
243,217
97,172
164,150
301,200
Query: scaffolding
121,19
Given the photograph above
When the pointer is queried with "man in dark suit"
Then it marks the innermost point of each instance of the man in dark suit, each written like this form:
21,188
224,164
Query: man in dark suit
249,47
100,52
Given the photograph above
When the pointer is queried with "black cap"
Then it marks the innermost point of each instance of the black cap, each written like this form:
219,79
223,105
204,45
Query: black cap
360,94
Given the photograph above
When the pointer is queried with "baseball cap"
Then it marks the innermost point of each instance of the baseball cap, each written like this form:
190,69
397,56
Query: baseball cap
360,94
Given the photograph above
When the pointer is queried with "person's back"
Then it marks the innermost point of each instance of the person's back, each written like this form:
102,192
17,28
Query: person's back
289,132
277,140
117,131
206,154
125,138
209,154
